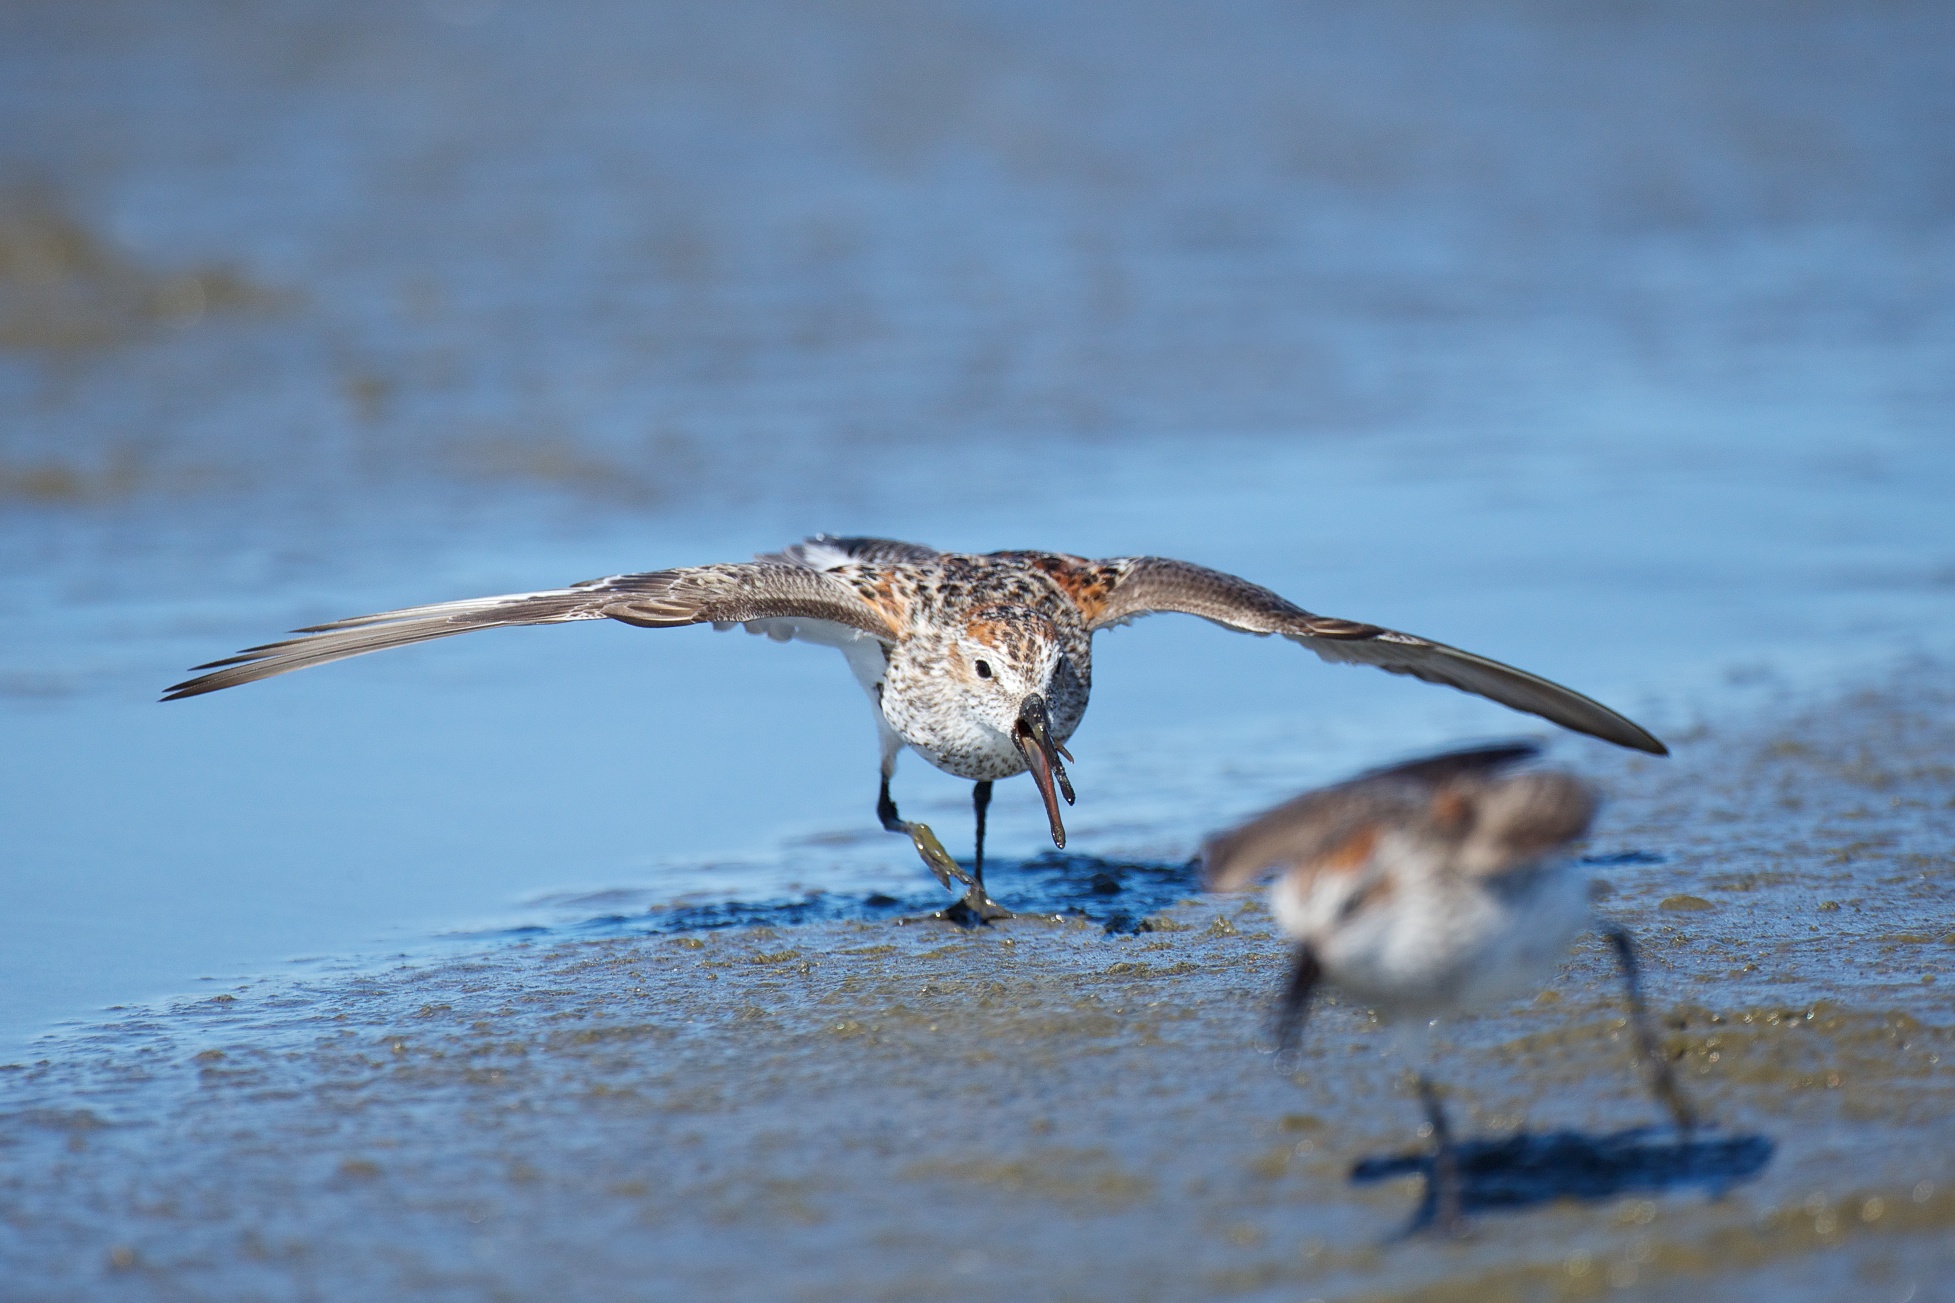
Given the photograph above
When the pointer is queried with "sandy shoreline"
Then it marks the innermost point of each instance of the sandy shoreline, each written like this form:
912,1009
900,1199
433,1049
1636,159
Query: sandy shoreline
864,1110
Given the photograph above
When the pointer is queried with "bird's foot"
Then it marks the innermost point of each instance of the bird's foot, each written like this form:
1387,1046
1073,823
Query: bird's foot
935,858
1455,1227
977,909
1443,1195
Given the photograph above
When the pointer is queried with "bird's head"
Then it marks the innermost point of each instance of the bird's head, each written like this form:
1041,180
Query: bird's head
1005,662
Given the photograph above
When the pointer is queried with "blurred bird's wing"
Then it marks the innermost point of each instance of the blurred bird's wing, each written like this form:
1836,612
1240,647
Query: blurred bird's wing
1116,591
1335,826
1432,771
728,593
1520,821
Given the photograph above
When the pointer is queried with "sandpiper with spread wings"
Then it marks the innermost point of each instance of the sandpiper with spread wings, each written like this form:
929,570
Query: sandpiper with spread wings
980,663
1428,889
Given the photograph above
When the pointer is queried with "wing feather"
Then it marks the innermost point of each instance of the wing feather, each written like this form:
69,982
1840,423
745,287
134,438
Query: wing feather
1309,829
1143,585
658,599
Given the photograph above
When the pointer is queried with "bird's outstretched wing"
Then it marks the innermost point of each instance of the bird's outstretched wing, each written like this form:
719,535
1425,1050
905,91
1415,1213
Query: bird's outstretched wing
1116,591
660,599
1312,828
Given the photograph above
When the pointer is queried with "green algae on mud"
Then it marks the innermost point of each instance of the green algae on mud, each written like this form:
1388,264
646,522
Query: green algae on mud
867,1110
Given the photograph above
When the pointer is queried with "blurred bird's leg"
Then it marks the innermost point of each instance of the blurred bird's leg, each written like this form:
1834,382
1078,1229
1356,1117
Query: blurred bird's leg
1445,1162
1663,1083
1295,1007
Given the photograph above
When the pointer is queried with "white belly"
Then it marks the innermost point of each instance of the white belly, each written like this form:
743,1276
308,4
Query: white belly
1455,946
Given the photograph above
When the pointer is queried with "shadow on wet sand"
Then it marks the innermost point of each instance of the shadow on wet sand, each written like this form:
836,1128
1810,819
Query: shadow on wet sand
1525,1170
1119,895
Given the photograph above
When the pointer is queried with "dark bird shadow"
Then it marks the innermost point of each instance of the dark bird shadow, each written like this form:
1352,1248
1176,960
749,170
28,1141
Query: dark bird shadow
1119,895
1527,1169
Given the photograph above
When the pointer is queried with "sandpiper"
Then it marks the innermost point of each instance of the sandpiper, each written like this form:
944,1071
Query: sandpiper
1427,889
980,663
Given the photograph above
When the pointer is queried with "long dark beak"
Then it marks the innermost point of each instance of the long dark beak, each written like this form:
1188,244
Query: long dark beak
1034,737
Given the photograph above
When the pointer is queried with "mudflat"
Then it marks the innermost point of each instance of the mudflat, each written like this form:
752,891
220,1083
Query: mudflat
872,1108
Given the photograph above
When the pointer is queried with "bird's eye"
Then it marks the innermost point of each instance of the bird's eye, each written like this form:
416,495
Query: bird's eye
984,669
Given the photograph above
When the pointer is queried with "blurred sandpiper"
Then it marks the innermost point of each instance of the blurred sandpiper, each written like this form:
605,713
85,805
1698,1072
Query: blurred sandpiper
1428,889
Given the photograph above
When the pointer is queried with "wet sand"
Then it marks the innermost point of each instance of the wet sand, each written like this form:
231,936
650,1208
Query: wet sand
870,1109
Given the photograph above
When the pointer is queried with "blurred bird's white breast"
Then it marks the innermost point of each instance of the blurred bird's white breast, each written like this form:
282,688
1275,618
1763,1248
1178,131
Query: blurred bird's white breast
1445,943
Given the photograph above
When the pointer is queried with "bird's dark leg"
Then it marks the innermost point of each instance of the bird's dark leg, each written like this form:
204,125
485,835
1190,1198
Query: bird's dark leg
977,905
980,803
886,810
1445,1162
1663,1083
932,851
